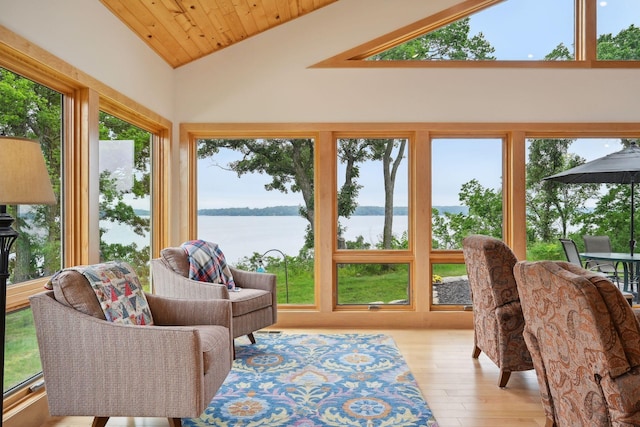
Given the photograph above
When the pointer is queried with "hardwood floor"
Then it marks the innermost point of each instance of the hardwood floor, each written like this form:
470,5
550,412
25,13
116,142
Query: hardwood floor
460,390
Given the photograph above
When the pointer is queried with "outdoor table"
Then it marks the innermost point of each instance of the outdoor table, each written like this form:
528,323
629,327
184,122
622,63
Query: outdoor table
628,262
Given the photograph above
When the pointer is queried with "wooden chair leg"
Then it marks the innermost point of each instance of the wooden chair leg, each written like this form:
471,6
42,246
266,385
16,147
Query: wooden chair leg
550,423
99,421
504,378
175,422
476,352
252,338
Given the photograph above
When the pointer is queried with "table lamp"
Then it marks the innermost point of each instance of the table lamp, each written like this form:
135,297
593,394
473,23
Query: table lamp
24,180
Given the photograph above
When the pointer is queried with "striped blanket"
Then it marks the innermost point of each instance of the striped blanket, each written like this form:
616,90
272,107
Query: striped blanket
207,263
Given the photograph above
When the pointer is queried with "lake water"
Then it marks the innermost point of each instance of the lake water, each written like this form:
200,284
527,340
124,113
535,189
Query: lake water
241,236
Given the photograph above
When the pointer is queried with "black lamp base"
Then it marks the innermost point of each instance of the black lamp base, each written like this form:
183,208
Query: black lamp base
7,236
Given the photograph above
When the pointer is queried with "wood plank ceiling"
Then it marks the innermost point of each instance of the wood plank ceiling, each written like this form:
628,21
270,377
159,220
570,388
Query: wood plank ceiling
181,31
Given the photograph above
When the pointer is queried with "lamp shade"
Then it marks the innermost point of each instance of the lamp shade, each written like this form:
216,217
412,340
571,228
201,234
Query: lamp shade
24,179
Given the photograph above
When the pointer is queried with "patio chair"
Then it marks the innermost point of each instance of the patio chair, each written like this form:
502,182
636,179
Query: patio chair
584,341
573,256
497,317
601,244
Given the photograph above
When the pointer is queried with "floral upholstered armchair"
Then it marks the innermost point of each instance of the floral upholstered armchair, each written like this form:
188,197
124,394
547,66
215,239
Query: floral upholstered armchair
585,343
497,315
109,349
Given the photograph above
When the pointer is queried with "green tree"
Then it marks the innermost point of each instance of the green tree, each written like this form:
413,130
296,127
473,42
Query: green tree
560,53
391,153
552,204
451,42
351,152
484,216
623,47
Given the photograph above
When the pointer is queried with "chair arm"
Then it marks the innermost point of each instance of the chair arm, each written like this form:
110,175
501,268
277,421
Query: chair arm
166,282
183,312
254,280
84,359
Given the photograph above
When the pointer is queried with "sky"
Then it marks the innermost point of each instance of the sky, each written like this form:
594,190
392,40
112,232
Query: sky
519,30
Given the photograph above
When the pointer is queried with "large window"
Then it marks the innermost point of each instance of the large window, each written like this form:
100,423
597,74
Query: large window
256,201
372,211
466,199
31,110
557,210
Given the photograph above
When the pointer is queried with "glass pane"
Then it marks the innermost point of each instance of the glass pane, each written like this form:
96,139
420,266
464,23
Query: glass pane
528,29
618,30
22,358
373,284
125,194
557,210
510,30
256,200
373,193
466,190
450,285
33,111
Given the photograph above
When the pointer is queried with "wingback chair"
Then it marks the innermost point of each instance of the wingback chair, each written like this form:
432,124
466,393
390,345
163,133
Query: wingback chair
253,308
497,315
585,343
171,367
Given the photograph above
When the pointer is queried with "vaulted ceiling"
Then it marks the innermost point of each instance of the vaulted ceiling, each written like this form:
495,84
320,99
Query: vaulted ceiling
181,31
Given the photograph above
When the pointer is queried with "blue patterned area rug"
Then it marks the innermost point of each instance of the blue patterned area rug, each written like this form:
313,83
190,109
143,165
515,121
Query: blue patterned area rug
313,380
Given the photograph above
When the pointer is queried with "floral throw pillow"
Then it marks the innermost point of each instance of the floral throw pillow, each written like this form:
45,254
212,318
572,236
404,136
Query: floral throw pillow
119,292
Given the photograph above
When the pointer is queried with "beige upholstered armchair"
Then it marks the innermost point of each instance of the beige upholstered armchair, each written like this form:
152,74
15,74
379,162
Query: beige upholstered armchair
171,367
497,315
585,343
253,308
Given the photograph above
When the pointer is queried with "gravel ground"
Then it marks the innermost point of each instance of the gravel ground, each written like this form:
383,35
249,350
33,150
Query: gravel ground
453,290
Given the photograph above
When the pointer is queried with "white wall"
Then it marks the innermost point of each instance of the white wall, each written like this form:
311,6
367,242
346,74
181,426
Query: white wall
85,34
266,79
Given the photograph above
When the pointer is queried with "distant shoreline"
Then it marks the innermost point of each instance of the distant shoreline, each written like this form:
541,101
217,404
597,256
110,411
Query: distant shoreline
295,211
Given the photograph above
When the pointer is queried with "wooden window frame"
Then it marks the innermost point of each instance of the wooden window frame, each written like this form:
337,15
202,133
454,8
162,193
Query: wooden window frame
421,256
585,39
83,98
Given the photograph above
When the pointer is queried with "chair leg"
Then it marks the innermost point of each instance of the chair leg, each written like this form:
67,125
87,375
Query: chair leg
476,352
252,338
175,422
99,421
504,378
549,423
